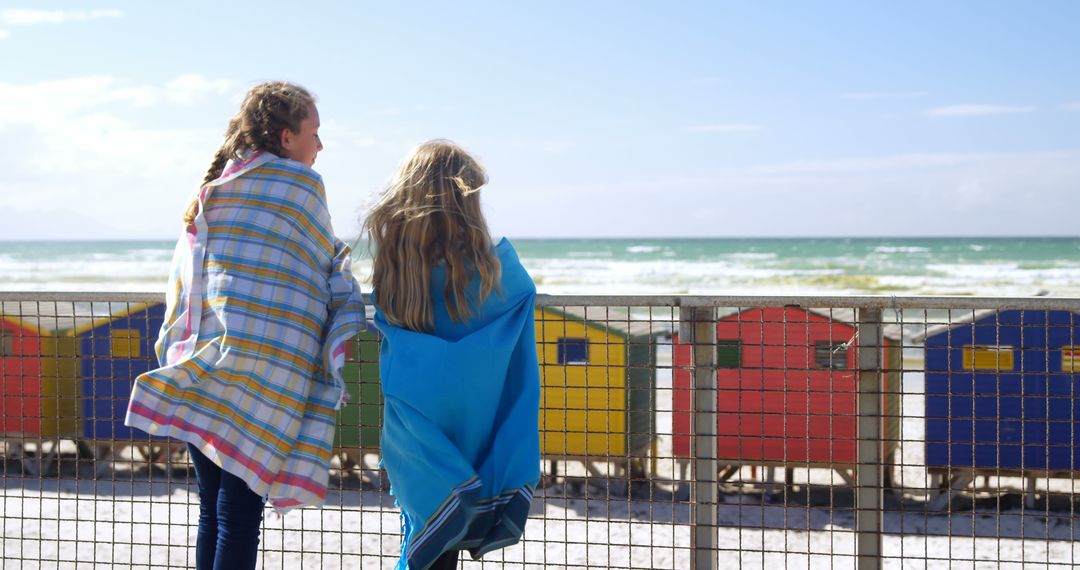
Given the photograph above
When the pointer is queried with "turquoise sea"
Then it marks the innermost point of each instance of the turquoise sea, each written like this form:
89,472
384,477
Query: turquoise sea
901,266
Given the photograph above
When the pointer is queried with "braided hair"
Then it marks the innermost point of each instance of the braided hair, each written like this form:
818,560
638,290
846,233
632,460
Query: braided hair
268,109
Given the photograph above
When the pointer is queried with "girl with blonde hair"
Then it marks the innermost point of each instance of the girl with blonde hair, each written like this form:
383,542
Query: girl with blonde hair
260,303
458,362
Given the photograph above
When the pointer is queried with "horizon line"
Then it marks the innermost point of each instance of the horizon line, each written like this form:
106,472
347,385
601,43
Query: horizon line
618,237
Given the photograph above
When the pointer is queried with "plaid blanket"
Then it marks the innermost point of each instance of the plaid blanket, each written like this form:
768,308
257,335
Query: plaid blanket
260,305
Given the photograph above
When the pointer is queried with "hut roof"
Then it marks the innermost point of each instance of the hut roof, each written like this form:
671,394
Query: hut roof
614,320
967,318
891,331
64,317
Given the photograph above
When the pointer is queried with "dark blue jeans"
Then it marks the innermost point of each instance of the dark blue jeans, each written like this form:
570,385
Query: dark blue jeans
230,516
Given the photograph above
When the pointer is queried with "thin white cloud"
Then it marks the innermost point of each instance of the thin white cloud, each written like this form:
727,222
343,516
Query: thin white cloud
723,128
4,34
189,87
977,110
1073,106
874,164
875,95
43,102
14,17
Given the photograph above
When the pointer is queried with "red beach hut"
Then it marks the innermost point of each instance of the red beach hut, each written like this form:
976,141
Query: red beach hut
787,390
20,381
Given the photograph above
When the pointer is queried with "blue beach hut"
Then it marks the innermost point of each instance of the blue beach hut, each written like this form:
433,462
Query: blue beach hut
113,351
1001,394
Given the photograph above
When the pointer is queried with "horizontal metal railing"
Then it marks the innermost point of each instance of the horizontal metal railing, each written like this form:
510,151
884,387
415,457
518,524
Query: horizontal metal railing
821,301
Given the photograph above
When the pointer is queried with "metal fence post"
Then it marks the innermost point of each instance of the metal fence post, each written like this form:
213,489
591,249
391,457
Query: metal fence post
704,513
869,487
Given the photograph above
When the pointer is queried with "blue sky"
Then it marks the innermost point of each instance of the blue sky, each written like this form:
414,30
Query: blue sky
596,118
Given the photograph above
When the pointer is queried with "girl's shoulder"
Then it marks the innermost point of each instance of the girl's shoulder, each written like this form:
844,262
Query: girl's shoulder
295,178
269,167
501,245
505,251
514,274
293,170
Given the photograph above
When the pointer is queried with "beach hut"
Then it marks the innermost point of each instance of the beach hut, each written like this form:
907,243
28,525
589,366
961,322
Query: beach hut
41,407
597,374
787,392
20,381
113,350
1001,396
597,381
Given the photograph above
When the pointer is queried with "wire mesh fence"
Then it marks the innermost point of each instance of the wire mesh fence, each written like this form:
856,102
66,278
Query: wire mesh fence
676,432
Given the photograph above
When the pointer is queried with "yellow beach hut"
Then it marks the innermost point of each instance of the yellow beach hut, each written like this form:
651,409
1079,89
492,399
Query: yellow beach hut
597,380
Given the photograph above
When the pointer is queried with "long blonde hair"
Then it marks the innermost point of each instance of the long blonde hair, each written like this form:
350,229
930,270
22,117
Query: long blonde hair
431,214
268,109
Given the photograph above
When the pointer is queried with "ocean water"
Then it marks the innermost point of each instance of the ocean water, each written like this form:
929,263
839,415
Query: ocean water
901,266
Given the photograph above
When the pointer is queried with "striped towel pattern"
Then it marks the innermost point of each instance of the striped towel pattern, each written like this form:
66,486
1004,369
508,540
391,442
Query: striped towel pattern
260,305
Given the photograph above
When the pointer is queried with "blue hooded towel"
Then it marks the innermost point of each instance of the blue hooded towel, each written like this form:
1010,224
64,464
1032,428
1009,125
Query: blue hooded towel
460,438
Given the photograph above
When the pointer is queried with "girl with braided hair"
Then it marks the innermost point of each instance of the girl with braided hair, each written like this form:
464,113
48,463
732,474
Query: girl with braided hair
260,304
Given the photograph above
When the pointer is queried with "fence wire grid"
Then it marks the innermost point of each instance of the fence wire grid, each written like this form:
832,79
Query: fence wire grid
676,432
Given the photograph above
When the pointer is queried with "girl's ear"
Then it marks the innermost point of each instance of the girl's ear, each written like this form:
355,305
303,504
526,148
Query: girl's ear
286,139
